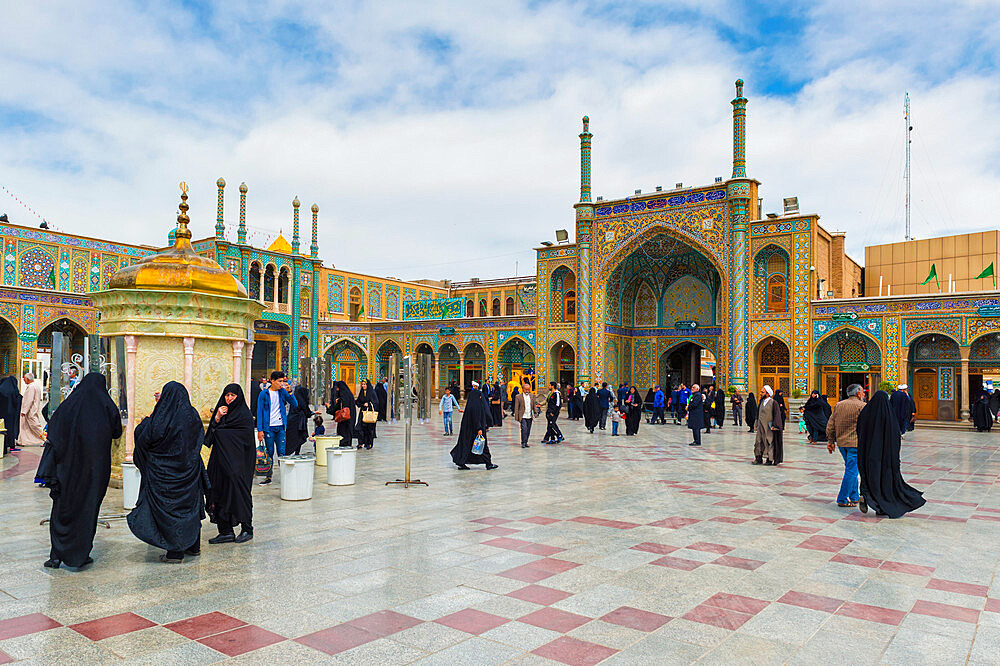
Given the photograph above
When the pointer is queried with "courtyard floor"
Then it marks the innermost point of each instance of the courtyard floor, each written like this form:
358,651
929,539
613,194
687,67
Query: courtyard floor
598,550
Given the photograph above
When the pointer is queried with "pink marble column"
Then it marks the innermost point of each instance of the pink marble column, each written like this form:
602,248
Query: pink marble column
188,363
131,347
246,384
238,360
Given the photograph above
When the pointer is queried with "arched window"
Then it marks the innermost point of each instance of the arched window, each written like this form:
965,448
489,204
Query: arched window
305,302
495,310
570,306
283,285
470,308
254,287
776,293
509,306
355,307
269,284
482,307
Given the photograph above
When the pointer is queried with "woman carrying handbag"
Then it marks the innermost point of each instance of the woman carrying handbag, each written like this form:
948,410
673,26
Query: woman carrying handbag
367,415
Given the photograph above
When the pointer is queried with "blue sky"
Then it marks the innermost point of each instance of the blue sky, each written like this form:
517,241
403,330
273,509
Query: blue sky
447,130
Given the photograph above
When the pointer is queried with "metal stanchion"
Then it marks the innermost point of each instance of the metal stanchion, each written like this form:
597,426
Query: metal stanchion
406,481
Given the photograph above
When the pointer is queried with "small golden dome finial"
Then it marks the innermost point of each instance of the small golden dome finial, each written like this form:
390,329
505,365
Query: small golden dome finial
221,182
182,218
295,202
315,208
243,188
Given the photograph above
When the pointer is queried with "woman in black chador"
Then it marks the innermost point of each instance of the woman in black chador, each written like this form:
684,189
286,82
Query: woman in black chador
720,408
633,402
882,485
10,411
496,404
591,410
341,398
982,418
365,432
172,491
750,412
76,467
297,422
231,465
816,414
476,420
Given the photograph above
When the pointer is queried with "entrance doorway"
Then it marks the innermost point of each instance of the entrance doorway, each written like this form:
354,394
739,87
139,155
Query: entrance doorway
680,364
348,373
925,384
266,357
563,363
774,366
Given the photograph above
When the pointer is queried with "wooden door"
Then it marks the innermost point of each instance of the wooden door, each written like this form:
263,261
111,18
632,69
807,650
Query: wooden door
925,393
831,385
349,374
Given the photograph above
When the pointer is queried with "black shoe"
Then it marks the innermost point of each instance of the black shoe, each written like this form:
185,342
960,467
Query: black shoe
223,538
243,537
463,467
862,504
266,481
768,462
757,461
171,560
694,444
52,563
525,446
192,552
492,466
87,562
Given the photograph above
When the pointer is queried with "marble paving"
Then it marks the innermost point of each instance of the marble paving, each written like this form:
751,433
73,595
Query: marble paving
597,550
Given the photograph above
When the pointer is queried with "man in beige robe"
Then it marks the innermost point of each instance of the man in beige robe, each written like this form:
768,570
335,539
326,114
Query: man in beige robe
763,446
32,427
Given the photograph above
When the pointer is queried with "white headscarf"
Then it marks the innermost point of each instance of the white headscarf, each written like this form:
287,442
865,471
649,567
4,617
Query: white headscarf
768,390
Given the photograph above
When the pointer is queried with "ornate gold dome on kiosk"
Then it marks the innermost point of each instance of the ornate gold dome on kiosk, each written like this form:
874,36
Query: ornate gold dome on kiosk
179,268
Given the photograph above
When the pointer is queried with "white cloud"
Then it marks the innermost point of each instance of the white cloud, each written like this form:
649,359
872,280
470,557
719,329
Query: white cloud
422,160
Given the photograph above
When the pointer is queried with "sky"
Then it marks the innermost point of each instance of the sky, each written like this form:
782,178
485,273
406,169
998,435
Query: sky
440,139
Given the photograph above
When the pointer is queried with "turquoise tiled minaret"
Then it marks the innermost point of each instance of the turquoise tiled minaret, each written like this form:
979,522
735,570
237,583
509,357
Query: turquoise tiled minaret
738,195
314,247
242,235
295,226
585,138
220,225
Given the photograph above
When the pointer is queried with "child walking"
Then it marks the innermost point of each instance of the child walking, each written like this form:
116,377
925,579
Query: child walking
616,418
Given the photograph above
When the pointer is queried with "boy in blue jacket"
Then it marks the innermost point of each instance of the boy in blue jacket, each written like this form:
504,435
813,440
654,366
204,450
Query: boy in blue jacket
272,410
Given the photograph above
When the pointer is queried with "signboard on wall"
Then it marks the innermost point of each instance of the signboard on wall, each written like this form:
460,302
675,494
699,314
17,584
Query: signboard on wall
854,367
27,336
440,308
686,324
844,316
988,311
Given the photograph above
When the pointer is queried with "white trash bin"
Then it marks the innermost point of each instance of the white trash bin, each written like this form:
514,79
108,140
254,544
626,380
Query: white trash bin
322,443
341,465
297,476
131,477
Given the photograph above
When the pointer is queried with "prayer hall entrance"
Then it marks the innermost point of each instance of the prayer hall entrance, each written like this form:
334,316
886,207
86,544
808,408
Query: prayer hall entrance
680,364
8,348
662,300
774,366
563,360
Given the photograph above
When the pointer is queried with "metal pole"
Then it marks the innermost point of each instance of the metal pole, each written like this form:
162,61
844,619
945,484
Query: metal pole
408,368
909,128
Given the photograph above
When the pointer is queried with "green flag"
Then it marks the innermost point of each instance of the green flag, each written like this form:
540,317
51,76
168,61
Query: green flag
361,311
524,308
52,276
932,276
988,272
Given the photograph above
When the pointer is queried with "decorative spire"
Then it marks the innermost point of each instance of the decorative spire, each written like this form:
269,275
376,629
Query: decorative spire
295,225
314,247
242,235
585,138
220,225
182,218
739,132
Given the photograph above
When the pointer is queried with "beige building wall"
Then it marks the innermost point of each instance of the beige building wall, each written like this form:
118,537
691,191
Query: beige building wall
905,265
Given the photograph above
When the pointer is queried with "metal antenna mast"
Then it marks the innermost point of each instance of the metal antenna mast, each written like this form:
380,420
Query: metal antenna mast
906,173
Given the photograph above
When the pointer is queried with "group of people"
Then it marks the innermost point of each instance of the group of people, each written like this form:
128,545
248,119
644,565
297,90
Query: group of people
986,410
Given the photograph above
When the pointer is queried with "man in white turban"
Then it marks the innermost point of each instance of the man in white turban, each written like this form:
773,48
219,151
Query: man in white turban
768,421
32,427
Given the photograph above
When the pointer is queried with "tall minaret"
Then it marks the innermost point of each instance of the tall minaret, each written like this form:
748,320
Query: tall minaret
314,247
220,225
739,132
295,225
588,365
739,191
242,236
585,138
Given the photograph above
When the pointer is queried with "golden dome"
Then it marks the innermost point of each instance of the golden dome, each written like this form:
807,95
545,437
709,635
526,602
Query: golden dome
280,245
178,268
